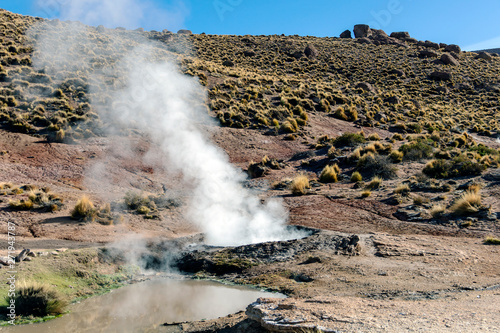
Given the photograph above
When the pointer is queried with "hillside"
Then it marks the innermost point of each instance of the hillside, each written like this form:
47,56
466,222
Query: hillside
396,141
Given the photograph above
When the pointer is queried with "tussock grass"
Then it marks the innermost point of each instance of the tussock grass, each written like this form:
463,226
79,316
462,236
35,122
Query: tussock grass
366,193
84,209
469,203
329,174
21,204
492,240
403,189
300,185
36,299
437,211
356,177
374,183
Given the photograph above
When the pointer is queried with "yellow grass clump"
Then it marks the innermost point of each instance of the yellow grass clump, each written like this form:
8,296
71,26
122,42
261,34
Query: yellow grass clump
300,185
468,203
84,209
329,174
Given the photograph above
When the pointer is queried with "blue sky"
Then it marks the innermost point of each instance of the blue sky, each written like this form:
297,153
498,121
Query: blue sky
472,25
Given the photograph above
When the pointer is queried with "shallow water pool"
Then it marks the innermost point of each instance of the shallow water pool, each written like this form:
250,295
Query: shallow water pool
144,306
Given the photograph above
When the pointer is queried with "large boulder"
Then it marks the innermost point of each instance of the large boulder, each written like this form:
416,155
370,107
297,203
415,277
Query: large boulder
346,34
365,40
448,59
429,44
427,54
440,76
362,30
185,32
311,52
400,35
453,48
485,56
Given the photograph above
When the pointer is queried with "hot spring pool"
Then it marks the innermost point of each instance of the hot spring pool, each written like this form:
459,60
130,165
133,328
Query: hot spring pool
144,306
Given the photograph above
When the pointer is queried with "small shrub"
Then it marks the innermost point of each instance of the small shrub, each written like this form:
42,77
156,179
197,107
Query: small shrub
349,140
374,137
416,151
420,200
437,211
21,205
366,193
402,189
376,165
39,300
492,241
468,203
84,209
396,156
329,174
299,185
374,183
437,169
356,177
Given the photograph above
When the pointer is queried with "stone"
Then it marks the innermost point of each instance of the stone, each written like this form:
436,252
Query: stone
429,44
228,63
21,256
379,33
448,59
311,52
453,48
62,249
28,259
364,40
440,76
43,254
362,30
249,53
346,34
365,86
427,54
32,254
401,35
185,32
485,56
297,54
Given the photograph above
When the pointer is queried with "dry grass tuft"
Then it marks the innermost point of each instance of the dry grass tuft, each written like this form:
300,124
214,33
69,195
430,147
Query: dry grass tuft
374,183
84,209
437,211
492,241
356,177
300,185
468,203
402,189
37,299
329,174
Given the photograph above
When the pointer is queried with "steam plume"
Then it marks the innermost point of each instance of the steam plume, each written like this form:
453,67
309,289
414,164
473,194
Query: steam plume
170,109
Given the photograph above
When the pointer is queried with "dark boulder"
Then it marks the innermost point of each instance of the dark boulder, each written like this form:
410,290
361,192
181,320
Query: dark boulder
346,34
453,48
185,32
448,59
427,54
485,56
311,52
228,63
400,35
440,76
365,40
362,30
365,86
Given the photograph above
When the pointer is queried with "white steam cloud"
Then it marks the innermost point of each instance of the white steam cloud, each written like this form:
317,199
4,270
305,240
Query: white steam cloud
164,103
169,108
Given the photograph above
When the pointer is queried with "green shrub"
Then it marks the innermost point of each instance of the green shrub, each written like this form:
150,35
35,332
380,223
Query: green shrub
349,140
376,165
492,241
416,151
